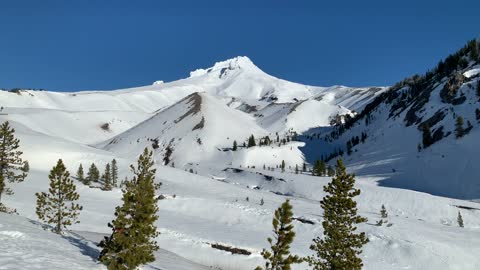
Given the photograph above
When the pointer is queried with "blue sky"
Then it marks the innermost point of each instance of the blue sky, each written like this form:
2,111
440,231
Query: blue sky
81,45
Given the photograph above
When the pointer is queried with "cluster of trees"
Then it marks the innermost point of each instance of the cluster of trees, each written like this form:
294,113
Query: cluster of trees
264,141
320,168
132,242
340,246
109,178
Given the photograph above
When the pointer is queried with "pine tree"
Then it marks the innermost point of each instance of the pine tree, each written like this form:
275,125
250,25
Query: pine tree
235,147
296,168
59,206
330,171
426,136
12,167
93,175
319,168
251,141
349,148
304,168
340,247
460,220
114,173
282,166
107,178
459,130
262,201
80,174
132,242
279,257
383,212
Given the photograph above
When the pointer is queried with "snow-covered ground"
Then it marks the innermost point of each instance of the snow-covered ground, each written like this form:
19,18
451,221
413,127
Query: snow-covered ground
235,99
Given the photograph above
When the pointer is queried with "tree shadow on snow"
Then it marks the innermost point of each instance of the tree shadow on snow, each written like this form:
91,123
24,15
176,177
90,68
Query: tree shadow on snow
86,247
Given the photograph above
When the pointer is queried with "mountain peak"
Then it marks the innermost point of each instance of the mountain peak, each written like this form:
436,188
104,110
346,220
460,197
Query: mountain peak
236,63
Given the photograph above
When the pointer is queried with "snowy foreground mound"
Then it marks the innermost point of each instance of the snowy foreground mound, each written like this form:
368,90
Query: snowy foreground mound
199,211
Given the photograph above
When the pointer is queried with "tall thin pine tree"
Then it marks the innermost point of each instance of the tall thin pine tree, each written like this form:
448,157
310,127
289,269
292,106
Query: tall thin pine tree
340,246
114,173
279,257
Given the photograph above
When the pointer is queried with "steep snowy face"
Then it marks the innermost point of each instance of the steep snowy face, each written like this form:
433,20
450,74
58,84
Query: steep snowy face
421,133
194,129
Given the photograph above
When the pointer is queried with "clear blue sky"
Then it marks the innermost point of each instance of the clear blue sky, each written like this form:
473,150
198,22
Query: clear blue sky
80,45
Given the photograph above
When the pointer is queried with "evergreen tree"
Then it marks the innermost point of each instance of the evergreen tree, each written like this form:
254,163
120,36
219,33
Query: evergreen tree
262,201
304,168
383,212
107,178
80,174
459,130
426,136
93,174
114,173
296,168
12,167
59,206
251,141
279,256
319,168
330,171
349,148
235,147
132,242
340,247
460,220
283,166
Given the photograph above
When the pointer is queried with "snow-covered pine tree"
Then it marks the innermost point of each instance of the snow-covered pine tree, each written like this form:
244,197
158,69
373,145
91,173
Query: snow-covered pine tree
460,220
383,212
107,178
279,256
235,147
80,174
340,246
114,173
132,241
12,167
251,141
58,206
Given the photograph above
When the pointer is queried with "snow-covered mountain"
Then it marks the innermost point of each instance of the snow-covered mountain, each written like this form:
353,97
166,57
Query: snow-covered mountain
212,194
412,139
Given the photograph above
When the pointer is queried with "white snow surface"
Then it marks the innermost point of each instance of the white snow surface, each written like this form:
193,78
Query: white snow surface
210,205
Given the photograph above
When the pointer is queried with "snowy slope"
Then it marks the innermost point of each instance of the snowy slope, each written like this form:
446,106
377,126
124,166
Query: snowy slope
198,118
395,122
195,129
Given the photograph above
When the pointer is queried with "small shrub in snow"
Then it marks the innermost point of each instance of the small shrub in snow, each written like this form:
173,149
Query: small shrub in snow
460,220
